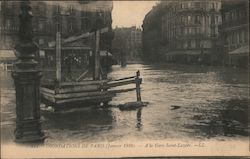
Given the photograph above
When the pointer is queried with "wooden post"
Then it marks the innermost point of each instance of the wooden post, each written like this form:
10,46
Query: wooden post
138,89
97,57
58,57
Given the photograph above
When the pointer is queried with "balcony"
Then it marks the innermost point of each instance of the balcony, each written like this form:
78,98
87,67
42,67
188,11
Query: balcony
193,9
235,23
9,29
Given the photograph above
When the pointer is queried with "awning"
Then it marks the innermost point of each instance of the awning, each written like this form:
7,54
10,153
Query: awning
188,52
7,55
241,50
70,48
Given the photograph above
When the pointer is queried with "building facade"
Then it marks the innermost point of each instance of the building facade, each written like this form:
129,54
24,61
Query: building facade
190,30
127,44
151,34
235,31
135,43
68,17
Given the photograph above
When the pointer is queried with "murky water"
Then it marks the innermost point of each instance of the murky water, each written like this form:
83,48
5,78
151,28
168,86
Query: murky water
185,102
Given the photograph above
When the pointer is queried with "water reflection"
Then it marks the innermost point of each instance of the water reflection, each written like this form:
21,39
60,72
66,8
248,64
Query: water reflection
78,124
139,119
185,102
224,118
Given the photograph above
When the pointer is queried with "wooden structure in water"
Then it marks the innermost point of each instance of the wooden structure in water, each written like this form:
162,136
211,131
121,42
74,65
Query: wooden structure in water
87,92
58,93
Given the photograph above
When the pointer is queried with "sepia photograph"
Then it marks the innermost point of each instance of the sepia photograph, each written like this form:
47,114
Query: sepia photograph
115,79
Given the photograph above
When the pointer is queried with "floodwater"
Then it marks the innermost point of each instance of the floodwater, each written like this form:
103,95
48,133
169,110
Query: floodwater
185,102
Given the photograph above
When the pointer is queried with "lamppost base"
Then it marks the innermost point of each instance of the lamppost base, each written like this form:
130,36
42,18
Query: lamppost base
31,139
29,131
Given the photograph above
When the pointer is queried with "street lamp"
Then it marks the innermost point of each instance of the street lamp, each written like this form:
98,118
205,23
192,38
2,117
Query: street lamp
27,80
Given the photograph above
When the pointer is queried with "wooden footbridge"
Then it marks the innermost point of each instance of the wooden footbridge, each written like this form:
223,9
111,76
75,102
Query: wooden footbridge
80,92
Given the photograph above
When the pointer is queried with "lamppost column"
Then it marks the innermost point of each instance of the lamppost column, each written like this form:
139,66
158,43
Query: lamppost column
26,77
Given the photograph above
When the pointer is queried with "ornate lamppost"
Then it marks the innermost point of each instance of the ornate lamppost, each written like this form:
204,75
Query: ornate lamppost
27,80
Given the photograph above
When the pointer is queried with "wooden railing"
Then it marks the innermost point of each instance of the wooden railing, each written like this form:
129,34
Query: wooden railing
100,91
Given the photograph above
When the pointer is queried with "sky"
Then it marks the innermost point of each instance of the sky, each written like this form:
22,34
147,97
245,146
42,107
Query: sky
130,13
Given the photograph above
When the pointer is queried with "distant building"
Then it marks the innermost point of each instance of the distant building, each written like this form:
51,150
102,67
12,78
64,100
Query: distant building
127,43
135,43
235,30
188,29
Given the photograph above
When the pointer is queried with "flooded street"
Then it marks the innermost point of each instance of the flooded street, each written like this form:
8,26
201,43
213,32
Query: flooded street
185,102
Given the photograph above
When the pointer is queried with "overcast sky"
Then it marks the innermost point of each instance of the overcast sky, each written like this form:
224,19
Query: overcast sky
130,13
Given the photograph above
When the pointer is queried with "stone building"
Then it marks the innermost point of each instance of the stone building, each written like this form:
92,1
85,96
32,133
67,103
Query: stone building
127,43
235,31
135,43
151,34
190,30
69,17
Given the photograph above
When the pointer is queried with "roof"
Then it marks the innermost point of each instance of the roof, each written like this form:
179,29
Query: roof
241,50
7,55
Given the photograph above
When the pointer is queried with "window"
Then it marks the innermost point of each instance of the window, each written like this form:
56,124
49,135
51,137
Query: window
212,6
186,31
41,41
8,24
234,37
242,36
182,5
182,31
196,30
227,17
185,5
40,26
245,37
71,9
197,19
212,19
197,43
197,4
189,44
238,37
231,39
182,19
189,19
213,31
228,40
185,45
192,5
233,15
190,30
8,5
193,43
217,19
71,27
